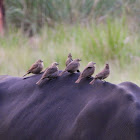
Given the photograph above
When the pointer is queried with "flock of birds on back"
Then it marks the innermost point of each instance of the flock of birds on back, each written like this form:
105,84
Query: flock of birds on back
72,66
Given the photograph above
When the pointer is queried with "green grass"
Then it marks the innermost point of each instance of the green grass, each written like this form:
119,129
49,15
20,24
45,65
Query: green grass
112,42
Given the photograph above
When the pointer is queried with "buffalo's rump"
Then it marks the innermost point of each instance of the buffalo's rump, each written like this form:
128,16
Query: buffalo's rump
59,109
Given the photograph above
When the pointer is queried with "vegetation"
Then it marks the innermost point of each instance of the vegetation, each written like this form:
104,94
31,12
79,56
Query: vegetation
103,31
111,42
30,15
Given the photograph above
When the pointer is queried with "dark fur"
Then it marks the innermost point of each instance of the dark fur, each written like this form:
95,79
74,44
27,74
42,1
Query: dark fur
63,110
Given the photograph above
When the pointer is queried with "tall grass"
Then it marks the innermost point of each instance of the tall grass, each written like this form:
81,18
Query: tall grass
112,42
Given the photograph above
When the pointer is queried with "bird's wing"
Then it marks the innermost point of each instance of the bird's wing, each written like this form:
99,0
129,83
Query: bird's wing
101,74
49,71
68,61
88,71
72,66
34,66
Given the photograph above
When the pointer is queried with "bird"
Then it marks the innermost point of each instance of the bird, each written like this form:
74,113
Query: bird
50,72
87,72
36,68
69,59
102,75
72,67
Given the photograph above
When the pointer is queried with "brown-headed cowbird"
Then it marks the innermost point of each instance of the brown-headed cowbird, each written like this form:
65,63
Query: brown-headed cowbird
102,75
50,73
87,72
36,68
69,59
72,67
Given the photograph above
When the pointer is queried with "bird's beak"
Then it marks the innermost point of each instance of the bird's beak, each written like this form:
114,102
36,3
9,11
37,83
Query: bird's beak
57,63
80,60
94,63
41,61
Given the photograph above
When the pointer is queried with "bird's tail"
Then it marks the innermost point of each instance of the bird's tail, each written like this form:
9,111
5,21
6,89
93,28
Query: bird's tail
62,73
92,82
26,74
79,79
39,82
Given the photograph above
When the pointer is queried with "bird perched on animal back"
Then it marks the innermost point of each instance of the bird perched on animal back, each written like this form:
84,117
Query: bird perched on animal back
36,68
50,72
102,75
69,59
87,72
72,67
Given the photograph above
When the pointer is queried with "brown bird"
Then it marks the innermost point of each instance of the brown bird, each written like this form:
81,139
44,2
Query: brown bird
87,72
36,68
102,75
50,73
69,59
72,67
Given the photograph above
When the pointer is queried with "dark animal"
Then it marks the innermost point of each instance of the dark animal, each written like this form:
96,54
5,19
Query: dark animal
63,110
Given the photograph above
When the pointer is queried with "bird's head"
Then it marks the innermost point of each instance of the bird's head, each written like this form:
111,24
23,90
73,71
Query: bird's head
69,55
55,64
78,60
40,61
91,64
107,66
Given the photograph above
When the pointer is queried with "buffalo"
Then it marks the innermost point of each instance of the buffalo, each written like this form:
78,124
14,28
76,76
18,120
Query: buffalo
59,109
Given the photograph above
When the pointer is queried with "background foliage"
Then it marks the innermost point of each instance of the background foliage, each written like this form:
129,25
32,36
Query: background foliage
93,30
30,15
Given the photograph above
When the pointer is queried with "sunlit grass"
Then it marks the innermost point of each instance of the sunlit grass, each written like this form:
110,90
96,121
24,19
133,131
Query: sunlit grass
111,43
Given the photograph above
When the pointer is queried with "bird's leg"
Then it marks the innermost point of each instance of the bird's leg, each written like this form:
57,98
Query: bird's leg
78,70
89,77
71,72
49,79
